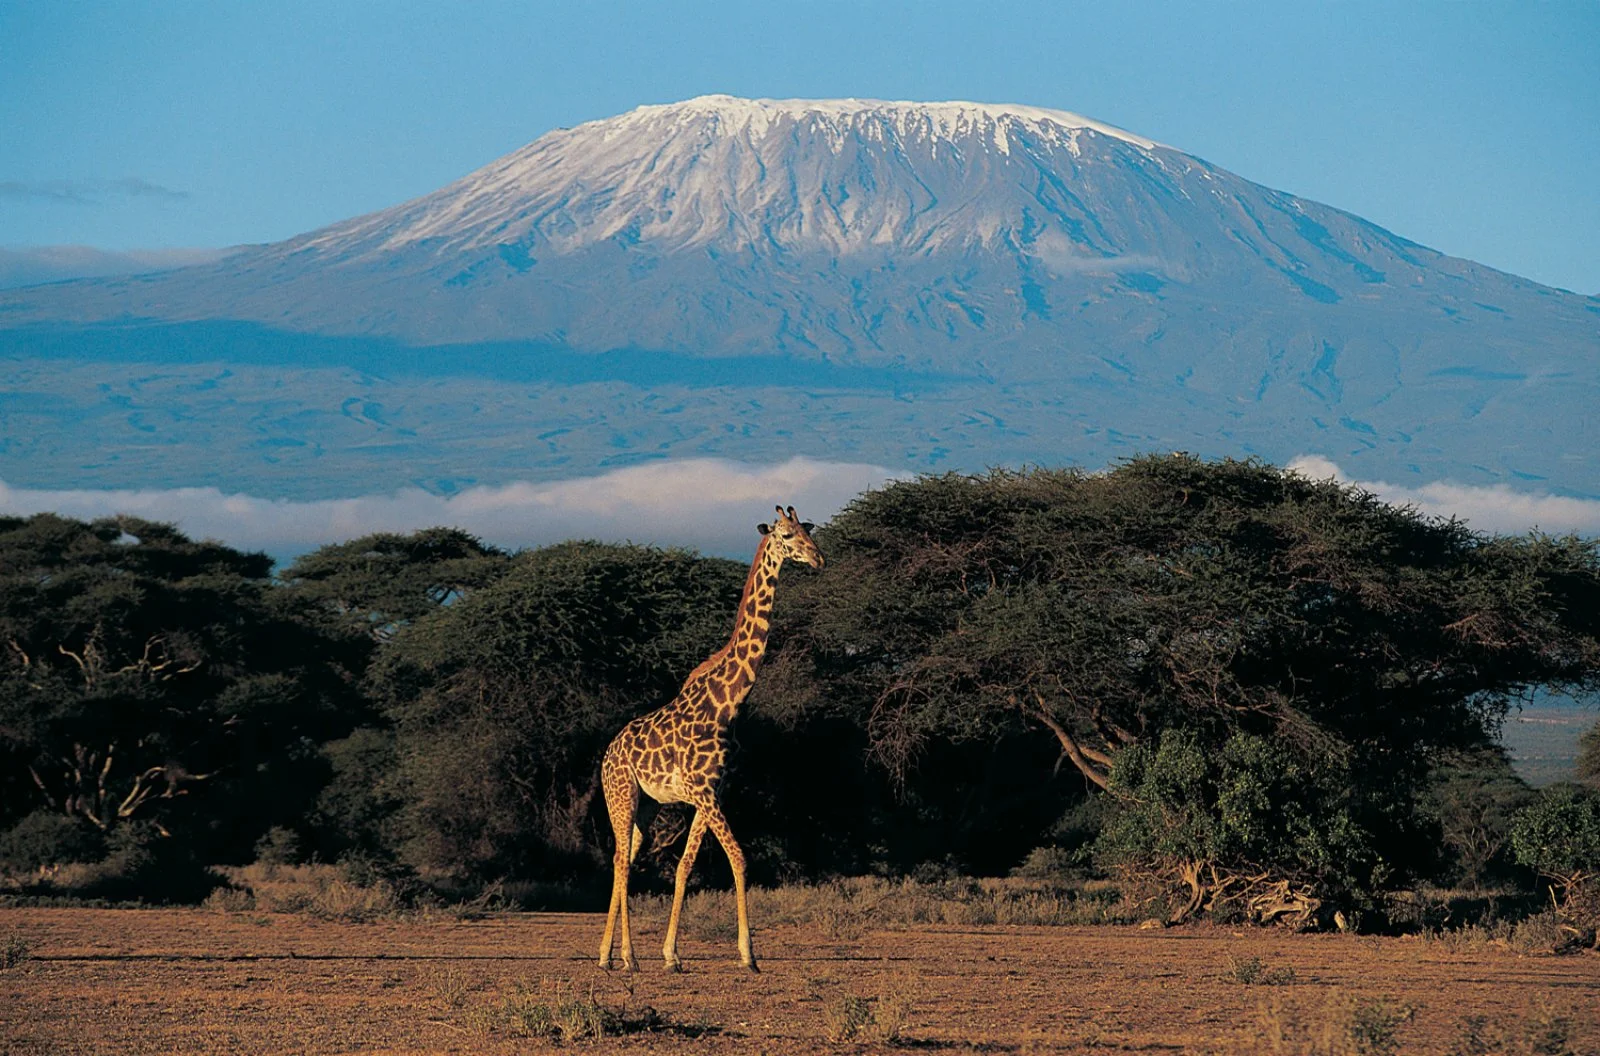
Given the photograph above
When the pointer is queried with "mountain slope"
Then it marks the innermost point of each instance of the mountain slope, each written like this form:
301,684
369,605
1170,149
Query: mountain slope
1031,255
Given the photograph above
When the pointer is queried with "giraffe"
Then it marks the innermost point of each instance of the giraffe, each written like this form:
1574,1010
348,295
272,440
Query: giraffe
676,754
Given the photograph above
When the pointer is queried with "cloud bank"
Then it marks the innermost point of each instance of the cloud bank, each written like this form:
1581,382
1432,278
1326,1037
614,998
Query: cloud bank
1496,508
710,504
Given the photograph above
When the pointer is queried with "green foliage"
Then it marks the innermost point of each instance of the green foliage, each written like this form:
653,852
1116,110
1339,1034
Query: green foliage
356,809
49,837
380,583
1559,833
1475,795
961,616
1205,817
503,702
148,680
1276,678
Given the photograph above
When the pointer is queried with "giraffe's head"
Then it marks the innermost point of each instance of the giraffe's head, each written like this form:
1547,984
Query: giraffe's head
792,537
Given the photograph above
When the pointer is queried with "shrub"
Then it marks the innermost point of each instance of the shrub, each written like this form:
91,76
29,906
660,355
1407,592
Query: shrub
280,846
13,951
1559,835
1344,1026
1252,828
1543,1032
48,837
553,1010
1250,971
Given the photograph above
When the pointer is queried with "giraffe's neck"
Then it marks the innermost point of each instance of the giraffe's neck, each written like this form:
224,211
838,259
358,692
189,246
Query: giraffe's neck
731,671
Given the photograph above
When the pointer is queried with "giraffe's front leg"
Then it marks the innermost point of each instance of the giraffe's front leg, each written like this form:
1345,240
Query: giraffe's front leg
669,950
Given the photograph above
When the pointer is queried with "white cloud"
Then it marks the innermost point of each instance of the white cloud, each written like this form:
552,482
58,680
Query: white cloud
1060,255
1495,508
710,504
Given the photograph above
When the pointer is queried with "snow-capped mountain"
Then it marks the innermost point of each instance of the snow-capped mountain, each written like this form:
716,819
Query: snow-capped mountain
1056,269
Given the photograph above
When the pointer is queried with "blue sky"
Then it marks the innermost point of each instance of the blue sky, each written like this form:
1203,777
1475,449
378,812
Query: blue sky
1473,128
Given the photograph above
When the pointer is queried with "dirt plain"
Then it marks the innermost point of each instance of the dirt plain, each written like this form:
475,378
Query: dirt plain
195,981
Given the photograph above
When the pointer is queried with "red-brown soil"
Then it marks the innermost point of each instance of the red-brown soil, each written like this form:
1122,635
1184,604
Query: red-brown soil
194,981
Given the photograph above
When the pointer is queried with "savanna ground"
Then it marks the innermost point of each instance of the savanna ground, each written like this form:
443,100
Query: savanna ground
129,981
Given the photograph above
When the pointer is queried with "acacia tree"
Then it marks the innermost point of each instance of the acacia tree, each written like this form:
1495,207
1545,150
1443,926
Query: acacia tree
1224,598
148,678
502,703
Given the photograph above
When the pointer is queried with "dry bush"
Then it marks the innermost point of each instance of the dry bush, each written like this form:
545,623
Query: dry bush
1546,932
881,1017
843,1017
554,1010
317,890
1250,971
14,950
1544,1032
1343,1026
453,985
229,900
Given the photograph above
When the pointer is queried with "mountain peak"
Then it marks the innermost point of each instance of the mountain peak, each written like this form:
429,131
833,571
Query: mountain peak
831,176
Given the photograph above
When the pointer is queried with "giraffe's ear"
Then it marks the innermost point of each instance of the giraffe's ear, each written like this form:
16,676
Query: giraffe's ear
807,527
763,528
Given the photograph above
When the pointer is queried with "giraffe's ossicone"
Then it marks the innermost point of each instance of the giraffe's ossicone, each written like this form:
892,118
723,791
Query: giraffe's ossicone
676,754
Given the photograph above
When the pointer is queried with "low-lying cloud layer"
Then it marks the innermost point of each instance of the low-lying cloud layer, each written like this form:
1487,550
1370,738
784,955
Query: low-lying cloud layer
712,505
709,504
1496,508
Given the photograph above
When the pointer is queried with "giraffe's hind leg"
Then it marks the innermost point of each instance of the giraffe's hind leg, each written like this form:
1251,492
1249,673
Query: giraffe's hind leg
724,834
622,799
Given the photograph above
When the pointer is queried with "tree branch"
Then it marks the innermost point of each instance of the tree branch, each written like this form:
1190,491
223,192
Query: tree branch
1084,760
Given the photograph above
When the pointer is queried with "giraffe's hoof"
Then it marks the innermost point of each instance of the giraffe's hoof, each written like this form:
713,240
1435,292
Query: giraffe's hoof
675,966
751,964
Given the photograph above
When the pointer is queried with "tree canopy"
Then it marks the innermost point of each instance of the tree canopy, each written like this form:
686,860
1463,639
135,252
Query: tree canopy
146,678
1226,599
1265,695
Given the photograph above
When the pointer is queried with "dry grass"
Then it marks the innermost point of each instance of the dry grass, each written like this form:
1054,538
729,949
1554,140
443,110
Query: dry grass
556,1010
1543,1032
14,950
105,981
847,909
1540,933
1250,971
881,1017
321,891
1341,1026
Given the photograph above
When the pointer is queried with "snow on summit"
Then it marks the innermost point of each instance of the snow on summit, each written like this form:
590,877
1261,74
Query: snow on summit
947,119
834,175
